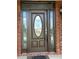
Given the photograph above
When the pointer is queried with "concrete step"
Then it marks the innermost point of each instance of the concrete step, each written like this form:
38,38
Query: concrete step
41,57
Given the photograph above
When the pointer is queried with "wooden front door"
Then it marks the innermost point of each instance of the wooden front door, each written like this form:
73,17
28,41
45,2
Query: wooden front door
37,29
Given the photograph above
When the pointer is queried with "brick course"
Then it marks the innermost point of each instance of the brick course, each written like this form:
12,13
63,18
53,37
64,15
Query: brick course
58,27
19,34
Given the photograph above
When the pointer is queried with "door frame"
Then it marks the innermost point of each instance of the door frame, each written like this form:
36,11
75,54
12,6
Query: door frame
48,35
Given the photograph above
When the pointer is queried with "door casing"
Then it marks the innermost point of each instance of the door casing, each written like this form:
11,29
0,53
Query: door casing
34,7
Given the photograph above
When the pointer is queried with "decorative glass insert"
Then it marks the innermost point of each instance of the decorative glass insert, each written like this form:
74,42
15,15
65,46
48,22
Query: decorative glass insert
51,29
38,25
24,29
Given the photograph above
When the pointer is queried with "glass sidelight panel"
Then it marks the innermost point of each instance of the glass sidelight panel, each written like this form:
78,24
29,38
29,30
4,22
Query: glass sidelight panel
51,29
24,30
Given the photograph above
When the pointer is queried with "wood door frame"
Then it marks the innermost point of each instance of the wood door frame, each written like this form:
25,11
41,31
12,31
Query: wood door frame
47,31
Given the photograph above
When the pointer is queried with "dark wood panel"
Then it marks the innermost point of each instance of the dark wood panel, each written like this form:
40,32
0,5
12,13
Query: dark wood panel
38,43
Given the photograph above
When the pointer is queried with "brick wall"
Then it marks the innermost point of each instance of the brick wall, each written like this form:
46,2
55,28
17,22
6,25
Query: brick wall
19,35
58,28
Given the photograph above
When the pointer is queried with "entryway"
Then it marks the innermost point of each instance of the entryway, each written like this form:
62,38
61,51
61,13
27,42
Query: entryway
38,22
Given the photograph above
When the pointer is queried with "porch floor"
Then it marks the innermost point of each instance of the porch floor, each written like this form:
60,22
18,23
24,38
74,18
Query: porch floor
49,57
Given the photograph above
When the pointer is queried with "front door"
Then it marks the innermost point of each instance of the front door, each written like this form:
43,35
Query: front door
37,29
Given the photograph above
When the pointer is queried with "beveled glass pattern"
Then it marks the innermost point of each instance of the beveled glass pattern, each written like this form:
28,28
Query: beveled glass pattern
38,26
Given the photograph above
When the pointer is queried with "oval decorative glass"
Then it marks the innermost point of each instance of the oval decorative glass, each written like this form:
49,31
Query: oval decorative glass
38,25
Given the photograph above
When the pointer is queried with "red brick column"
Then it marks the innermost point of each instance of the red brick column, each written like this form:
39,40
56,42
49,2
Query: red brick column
19,25
58,27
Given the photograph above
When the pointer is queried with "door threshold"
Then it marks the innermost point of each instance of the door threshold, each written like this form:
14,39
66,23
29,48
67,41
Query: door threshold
38,53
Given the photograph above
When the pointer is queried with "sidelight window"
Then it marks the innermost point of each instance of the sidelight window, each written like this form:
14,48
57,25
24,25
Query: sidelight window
51,17
24,29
